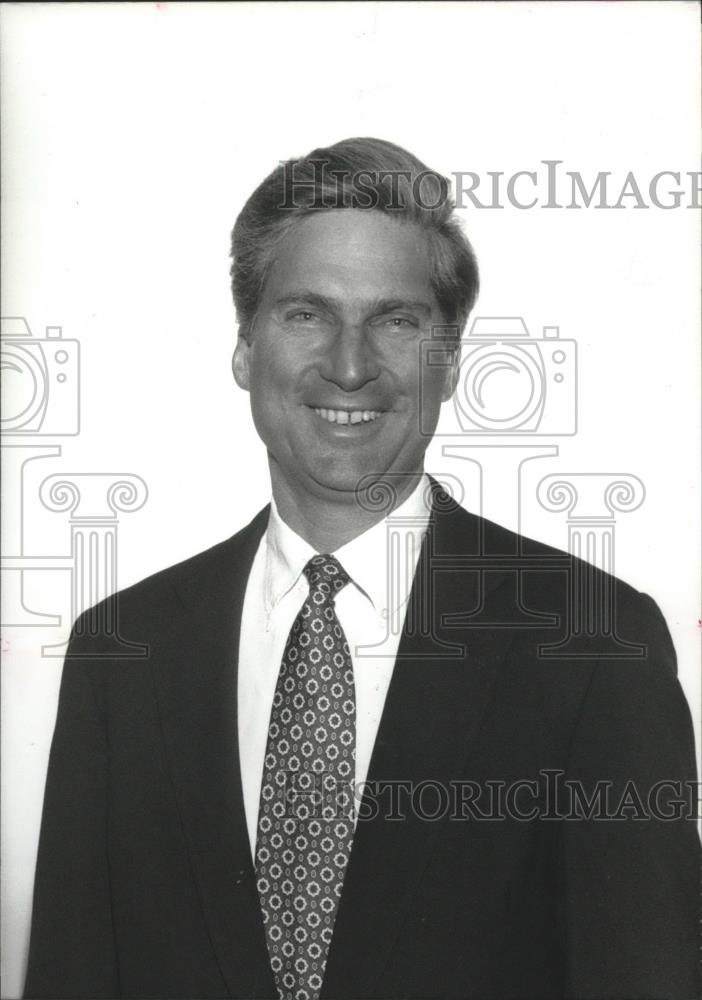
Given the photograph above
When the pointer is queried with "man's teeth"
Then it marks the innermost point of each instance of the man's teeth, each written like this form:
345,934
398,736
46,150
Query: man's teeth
346,417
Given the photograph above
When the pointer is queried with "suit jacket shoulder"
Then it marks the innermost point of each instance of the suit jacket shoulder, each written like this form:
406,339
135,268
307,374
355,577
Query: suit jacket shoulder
152,602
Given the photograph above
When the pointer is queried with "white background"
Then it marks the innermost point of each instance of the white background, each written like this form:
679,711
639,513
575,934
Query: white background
132,134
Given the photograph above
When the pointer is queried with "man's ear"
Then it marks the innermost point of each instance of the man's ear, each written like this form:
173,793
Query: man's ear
240,361
452,372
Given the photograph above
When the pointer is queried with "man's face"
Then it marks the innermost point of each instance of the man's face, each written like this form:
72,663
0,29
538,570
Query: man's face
333,362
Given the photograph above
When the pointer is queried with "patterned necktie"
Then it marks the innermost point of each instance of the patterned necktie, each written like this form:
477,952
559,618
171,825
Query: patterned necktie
305,820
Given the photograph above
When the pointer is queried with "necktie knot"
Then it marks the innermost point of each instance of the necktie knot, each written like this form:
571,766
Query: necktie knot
326,576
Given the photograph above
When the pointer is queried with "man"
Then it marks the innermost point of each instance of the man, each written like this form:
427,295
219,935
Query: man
294,794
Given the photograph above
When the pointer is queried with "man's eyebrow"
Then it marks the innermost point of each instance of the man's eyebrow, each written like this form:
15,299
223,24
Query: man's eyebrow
390,305
373,306
308,298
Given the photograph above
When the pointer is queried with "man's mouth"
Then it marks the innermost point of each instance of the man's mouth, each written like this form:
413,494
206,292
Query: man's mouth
347,416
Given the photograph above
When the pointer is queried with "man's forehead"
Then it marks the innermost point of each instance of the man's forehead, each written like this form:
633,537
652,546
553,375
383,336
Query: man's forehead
352,252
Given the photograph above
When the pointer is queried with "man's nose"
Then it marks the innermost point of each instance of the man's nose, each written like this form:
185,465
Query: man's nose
350,361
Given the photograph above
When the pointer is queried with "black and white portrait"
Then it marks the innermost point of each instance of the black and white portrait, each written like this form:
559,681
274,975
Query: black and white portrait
350,445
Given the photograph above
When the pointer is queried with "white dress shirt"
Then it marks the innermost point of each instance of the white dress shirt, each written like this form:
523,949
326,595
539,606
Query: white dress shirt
371,609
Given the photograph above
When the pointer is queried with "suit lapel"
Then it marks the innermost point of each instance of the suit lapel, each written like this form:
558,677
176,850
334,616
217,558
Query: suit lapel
197,693
441,686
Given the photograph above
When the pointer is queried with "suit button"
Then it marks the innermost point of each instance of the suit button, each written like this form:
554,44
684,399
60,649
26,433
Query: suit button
240,877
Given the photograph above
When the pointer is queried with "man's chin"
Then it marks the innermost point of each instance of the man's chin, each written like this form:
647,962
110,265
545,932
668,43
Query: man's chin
342,484
366,488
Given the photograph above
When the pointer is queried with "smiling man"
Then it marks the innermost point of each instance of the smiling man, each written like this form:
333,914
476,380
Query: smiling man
333,363
355,764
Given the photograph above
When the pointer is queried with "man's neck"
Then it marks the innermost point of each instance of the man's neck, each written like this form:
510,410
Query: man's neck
327,523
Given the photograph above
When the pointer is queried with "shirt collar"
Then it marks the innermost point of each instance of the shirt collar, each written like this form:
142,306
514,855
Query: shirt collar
287,554
365,558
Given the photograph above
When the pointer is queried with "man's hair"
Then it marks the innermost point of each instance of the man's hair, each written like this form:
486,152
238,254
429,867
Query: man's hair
360,173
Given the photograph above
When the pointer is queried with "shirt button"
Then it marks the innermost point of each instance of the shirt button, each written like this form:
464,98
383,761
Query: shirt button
384,614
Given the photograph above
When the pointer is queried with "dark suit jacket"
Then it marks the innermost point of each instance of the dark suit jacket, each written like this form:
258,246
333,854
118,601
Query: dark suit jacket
145,885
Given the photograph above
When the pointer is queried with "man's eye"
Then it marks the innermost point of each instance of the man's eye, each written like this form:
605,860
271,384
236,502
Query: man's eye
401,322
304,315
